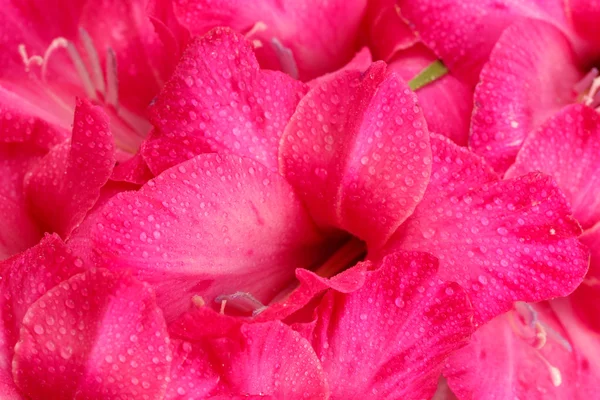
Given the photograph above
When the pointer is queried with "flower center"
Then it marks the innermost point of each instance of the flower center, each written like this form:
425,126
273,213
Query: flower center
588,89
526,324
347,255
100,86
284,55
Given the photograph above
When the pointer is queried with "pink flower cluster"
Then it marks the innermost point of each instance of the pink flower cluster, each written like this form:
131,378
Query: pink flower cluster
299,199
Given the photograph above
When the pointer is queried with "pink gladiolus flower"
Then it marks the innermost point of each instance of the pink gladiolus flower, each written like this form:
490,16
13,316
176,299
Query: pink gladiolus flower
246,206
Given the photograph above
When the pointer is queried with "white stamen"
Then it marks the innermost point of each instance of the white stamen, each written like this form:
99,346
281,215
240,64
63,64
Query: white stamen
555,374
286,58
82,71
258,27
198,301
58,43
94,60
223,304
588,99
112,83
243,301
38,60
586,81
138,124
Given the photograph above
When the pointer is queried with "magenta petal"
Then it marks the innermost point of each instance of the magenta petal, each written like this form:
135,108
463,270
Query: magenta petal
258,359
357,151
520,355
463,33
321,35
586,298
213,225
567,147
530,76
503,241
218,100
389,339
94,336
66,183
23,279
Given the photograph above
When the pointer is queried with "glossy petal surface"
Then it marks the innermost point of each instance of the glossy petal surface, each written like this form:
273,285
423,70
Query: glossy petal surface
211,226
530,76
94,336
66,183
567,147
218,100
501,240
357,151
389,339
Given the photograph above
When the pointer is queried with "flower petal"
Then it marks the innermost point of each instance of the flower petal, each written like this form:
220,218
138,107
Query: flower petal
321,35
357,151
463,33
213,225
530,76
586,298
517,356
567,147
503,241
94,336
66,183
218,100
389,339
24,278
447,102
258,359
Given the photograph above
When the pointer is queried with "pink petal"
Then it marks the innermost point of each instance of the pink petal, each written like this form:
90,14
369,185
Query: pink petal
447,103
259,359
502,241
24,278
386,31
118,348
567,147
135,170
66,183
463,33
191,372
218,100
321,35
517,356
530,76
583,15
389,339
586,298
213,225
19,229
347,136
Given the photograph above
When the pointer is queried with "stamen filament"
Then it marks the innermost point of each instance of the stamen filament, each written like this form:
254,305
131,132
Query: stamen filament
286,58
112,91
58,43
84,75
94,60
38,60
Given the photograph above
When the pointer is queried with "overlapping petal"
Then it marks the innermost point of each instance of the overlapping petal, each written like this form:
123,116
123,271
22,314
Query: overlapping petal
263,359
218,100
96,335
531,75
567,147
464,33
389,339
525,354
24,278
211,226
63,186
321,36
501,240
357,151
586,298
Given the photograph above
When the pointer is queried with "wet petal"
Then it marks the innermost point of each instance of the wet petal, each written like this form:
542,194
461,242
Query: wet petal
503,241
530,76
586,298
213,225
567,147
321,35
389,339
94,336
357,151
24,278
218,100
258,359
66,183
